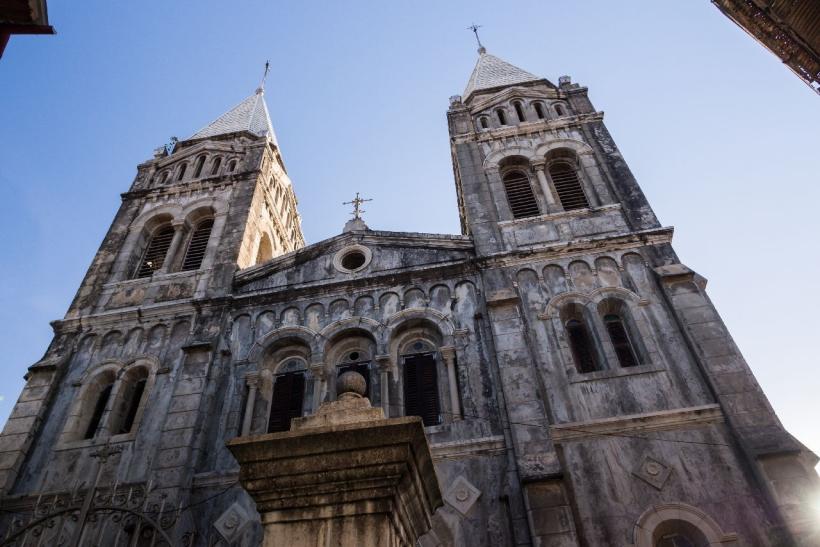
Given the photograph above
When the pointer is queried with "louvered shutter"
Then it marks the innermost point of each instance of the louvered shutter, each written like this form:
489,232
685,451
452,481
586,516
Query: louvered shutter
198,245
421,388
568,186
154,255
288,392
519,195
620,341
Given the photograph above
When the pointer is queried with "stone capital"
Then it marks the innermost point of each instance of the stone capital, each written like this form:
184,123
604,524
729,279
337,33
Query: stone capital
384,361
447,352
252,379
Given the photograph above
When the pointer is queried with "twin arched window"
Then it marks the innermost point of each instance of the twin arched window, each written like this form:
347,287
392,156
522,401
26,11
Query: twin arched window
519,111
98,413
502,116
520,195
156,253
582,338
200,162
539,110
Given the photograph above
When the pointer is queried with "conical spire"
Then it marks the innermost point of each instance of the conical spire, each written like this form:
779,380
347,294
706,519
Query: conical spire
249,115
490,72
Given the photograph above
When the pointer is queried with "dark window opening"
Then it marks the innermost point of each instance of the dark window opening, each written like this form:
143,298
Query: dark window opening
568,186
519,112
675,540
520,196
198,169
362,367
580,342
231,166
483,121
539,110
288,394
198,245
133,406
182,169
620,340
502,117
99,409
215,168
163,177
154,255
559,110
421,388
353,260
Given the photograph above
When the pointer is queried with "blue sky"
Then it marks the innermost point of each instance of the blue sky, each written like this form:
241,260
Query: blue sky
722,137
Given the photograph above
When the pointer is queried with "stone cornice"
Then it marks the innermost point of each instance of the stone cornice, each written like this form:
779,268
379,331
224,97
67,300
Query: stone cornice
527,129
637,423
468,448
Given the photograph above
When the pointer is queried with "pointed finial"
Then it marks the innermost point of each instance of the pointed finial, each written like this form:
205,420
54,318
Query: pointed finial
261,88
481,49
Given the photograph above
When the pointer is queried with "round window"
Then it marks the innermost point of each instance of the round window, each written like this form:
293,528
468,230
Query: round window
353,260
354,356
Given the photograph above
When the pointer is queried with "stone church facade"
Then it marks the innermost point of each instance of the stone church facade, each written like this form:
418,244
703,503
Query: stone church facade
576,384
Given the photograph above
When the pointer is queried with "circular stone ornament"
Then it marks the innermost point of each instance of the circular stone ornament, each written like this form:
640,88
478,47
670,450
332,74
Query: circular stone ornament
351,382
352,259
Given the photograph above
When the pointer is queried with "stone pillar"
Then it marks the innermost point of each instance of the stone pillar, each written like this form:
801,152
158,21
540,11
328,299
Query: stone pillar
384,381
171,255
345,476
448,353
319,380
546,189
252,380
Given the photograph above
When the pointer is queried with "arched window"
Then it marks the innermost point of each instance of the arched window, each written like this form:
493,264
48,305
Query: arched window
198,245
502,116
132,392
288,395
567,185
198,168
519,111
181,172
265,250
620,340
163,177
679,533
559,109
99,410
519,195
539,110
421,384
484,122
231,166
215,166
581,345
155,252
356,361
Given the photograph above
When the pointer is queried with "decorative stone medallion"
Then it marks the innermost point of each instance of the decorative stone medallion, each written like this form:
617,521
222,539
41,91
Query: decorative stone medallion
232,522
652,472
462,495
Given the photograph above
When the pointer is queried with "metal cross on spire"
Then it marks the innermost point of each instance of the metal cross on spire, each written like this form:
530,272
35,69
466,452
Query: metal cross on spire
475,28
261,87
356,203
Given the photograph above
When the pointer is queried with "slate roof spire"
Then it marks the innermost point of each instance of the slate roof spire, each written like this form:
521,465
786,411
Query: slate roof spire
490,72
249,115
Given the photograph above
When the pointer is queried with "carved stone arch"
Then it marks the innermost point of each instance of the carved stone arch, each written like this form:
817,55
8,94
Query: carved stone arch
441,321
496,158
168,213
651,522
201,208
93,381
580,148
114,365
603,293
553,307
364,324
295,332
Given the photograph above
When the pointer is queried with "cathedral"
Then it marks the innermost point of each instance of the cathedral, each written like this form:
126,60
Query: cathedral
574,383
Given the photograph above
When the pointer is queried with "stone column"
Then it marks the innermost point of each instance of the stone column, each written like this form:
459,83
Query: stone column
384,381
345,476
319,379
546,189
252,380
448,353
171,255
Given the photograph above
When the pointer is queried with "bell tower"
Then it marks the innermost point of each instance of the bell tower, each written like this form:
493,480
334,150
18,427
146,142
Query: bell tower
198,210
534,163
